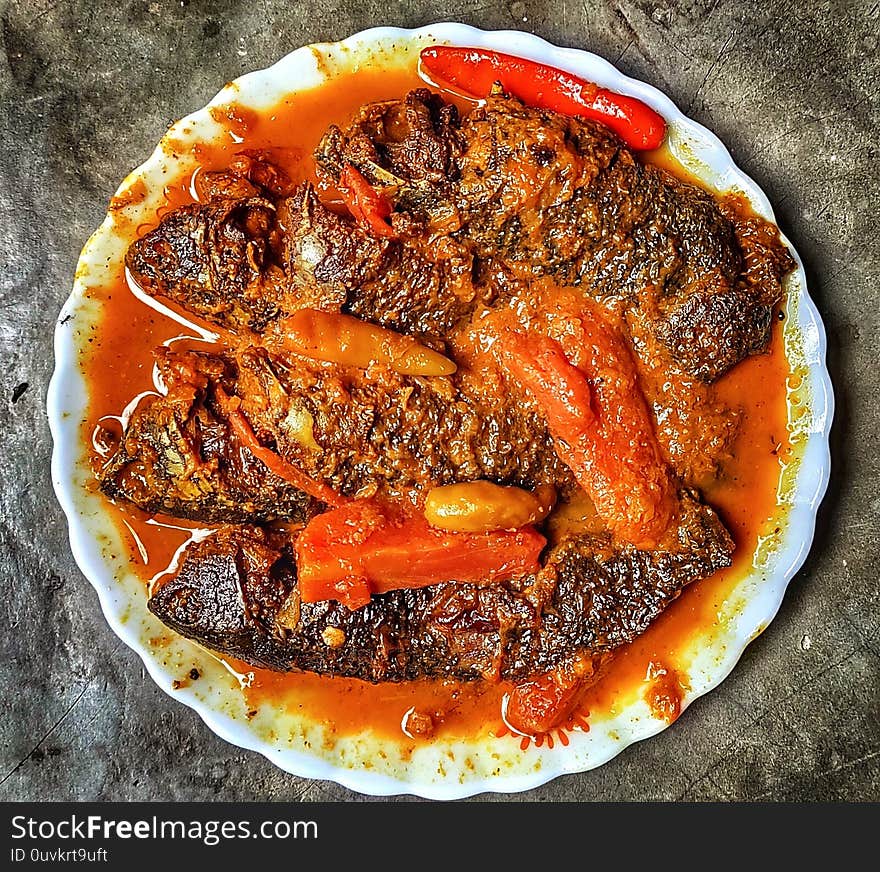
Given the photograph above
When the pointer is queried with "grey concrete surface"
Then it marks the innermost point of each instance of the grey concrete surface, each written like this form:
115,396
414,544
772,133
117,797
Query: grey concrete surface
86,89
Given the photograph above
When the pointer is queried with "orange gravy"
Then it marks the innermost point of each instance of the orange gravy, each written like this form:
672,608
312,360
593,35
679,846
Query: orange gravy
120,366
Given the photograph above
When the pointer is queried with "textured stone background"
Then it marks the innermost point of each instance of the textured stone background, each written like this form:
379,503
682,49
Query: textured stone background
86,89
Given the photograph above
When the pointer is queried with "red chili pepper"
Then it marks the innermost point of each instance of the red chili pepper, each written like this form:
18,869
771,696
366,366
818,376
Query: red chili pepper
361,549
475,70
365,203
274,462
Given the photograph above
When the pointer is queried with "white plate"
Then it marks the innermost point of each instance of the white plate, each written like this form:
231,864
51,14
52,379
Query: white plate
367,763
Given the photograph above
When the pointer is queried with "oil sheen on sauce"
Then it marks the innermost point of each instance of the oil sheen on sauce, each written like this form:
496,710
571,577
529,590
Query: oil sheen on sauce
120,367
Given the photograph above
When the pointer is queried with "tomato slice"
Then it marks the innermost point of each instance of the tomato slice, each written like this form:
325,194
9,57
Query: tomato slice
540,704
589,395
363,548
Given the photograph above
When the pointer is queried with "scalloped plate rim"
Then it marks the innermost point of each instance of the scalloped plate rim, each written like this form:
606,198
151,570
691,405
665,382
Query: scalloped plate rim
302,764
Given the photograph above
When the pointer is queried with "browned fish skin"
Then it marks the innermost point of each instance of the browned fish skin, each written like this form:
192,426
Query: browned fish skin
178,457
590,215
212,259
385,432
236,593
